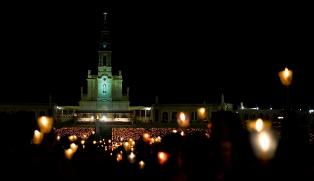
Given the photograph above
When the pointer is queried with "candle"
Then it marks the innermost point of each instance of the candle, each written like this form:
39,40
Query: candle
45,124
38,137
68,153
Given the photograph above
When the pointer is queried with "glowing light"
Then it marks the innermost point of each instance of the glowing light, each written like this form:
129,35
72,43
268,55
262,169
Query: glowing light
146,137
174,131
58,138
162,157
264,141
286,76
259,125
131,157
126,146
82,142
182,116
45,124
72,138
209,125
264,144
158,139
68,153
103,118
280,117
94,142
202,113
182,133
141,164
74,147
38,137
311,111
119,157
286,72
183,120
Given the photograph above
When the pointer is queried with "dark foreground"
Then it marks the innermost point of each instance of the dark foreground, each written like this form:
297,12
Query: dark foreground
223,154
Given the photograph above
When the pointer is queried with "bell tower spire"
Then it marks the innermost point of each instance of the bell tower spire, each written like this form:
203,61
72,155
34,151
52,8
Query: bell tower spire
105,17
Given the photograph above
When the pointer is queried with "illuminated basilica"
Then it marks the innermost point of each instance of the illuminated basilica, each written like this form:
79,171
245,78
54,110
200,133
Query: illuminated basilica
104,100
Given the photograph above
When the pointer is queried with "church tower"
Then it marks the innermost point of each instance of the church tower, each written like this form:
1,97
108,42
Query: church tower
104,90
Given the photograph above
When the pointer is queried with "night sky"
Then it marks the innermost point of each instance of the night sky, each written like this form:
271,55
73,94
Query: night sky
189,54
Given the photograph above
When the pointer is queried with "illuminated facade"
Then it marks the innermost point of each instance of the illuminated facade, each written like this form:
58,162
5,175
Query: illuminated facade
103,99
104,90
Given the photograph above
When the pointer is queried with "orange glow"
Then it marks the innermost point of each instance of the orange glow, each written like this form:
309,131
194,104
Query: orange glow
45,124
259,125
72,138
286,76
38,137
141,164
73,146
264,144
183,120
146,137
201,113
68,153
126,146
182,116
119,157
209,125
162,157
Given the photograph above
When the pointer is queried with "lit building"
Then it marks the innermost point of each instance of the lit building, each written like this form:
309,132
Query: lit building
104,99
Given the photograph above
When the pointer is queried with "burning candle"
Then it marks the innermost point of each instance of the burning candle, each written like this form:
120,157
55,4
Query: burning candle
38,137
45,124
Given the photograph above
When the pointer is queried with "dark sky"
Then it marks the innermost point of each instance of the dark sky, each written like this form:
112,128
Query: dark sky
188,54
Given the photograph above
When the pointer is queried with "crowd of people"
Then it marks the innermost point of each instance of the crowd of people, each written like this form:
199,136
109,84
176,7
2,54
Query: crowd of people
220,152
